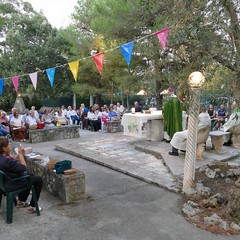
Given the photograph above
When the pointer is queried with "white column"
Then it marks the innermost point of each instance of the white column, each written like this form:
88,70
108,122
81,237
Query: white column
91,100
191,149
74,100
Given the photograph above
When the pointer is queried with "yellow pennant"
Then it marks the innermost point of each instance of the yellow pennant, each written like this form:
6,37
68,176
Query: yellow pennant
74,68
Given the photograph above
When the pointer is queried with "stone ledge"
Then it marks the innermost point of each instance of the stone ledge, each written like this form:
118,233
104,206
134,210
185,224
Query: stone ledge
54,133
69,188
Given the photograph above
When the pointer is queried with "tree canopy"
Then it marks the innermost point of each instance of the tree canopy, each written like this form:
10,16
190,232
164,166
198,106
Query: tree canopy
204,36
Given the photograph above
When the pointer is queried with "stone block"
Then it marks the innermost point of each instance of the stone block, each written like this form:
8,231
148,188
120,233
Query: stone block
155,130
69,188
54,133
114,126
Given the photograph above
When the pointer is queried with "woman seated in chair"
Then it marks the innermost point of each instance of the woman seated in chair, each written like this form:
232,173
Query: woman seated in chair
19,131
15,169
93,120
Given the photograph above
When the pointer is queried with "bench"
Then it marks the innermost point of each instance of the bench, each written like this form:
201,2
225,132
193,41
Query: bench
69,188
114,126
54,133
218,138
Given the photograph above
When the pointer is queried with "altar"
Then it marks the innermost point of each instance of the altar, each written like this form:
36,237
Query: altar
148,125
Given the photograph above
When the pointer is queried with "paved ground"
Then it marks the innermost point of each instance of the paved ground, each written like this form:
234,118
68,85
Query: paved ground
117,206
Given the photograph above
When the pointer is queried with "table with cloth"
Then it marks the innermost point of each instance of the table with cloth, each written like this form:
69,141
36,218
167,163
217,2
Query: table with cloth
143,124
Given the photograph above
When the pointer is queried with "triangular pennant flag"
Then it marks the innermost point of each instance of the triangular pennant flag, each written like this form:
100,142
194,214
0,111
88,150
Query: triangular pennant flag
51,73
33,77
74,68
127,51
1,85
162,37
98,59
15,82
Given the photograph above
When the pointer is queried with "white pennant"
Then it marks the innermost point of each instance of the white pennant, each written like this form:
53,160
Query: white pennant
33,77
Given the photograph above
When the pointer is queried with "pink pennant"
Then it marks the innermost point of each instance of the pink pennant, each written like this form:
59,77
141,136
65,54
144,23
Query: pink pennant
15,82
98,59
162,37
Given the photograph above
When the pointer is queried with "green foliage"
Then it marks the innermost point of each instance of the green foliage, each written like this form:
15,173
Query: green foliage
30,44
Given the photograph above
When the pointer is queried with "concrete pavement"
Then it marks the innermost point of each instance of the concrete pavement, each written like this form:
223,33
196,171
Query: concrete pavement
117,206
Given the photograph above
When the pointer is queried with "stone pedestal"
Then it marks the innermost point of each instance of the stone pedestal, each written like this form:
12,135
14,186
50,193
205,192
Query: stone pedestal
68,188
114,126
218,138
155,130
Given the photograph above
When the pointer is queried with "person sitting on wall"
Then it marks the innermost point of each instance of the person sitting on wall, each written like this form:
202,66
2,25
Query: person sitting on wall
19,131
60,118
113,115
35,112
179,139
47,119
32,120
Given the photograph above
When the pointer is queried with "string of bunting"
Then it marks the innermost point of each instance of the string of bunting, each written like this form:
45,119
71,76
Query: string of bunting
98,59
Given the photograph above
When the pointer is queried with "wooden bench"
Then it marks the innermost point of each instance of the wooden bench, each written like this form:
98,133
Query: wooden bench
54,133
218,138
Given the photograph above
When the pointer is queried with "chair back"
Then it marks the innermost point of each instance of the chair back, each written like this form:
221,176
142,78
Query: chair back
3,176
203,134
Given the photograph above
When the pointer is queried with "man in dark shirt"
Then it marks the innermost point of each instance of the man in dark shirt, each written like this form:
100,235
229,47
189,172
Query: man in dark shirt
137,108
221,116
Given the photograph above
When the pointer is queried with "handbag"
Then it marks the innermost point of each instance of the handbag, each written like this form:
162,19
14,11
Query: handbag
61,166
40,125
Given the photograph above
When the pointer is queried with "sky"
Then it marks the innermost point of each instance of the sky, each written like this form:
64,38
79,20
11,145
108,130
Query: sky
56,11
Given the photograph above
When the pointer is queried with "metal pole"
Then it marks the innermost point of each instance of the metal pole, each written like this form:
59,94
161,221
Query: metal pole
191,148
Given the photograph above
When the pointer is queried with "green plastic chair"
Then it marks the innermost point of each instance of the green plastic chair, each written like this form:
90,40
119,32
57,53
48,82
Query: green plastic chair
11,196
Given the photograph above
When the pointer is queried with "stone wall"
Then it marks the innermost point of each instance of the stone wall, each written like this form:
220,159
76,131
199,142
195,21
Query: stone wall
54,133
68,188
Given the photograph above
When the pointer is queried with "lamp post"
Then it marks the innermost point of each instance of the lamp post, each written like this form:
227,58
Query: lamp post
196,80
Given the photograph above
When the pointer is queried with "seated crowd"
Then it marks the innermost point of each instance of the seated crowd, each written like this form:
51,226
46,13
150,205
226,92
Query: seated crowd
94,118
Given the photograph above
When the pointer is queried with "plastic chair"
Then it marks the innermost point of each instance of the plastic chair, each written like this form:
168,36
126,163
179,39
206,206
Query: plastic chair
11,196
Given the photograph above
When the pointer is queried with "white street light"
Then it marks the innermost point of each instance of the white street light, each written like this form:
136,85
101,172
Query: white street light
196,80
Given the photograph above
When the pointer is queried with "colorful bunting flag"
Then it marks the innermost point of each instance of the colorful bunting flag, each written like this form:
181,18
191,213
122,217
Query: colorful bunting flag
74,68
127,51
162,37
98,59
51,73
1,85
33,77
15,81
